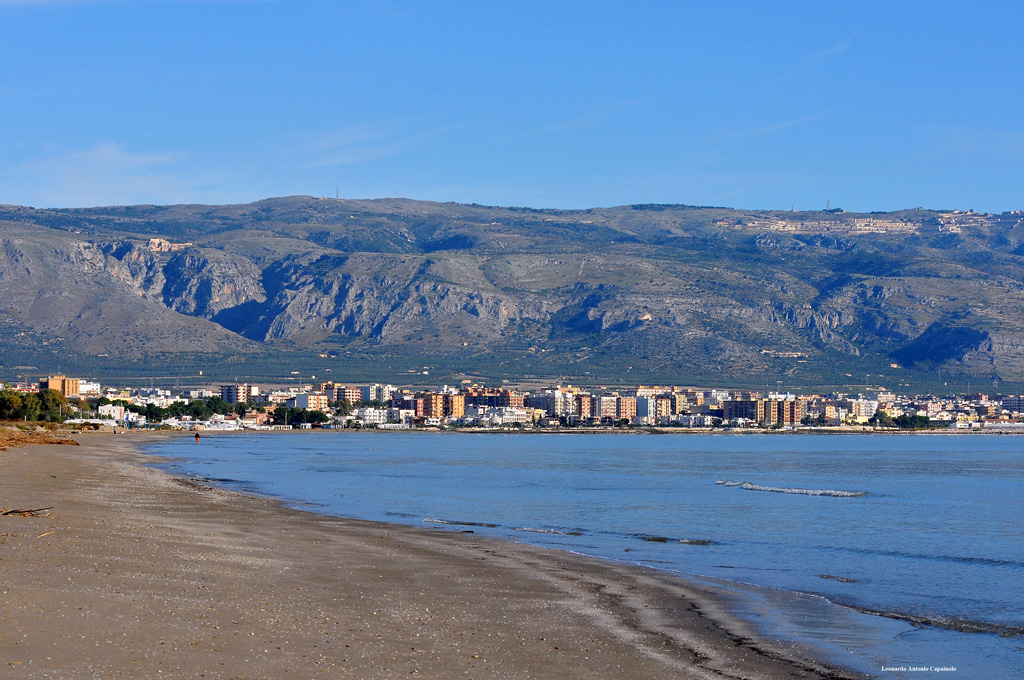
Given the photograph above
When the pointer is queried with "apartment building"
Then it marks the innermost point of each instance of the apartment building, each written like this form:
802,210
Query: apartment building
354,395
69,387
376,392
1013,404
495,398
433,404
243,393
604,406
764,411
313,401
454,405
625,408
584,405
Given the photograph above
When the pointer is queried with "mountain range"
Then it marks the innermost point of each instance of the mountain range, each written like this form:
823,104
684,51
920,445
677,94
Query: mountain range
388,287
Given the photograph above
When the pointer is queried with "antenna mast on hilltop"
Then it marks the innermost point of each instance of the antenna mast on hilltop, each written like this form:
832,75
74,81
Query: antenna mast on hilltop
336,192
828,204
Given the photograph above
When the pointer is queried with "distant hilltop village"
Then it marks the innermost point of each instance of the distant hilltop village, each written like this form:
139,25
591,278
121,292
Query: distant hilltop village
161,245
950,222
244,406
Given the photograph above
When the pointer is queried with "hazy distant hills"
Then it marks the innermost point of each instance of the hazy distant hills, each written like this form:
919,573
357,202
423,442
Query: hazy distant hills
680,293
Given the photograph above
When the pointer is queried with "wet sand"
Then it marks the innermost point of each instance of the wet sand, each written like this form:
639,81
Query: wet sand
134,573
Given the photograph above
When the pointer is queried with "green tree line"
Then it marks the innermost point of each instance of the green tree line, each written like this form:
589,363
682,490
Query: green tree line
903,422
203,409
48,405
53,406
199,409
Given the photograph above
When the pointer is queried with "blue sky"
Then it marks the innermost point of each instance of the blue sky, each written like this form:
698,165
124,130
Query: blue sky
873,106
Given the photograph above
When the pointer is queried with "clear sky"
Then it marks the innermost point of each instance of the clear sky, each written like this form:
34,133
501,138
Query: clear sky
873,106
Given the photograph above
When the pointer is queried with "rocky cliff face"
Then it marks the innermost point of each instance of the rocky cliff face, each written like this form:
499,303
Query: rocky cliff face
683,291
98,298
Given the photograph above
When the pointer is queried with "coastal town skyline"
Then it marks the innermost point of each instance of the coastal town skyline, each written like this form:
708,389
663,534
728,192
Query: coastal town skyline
245,406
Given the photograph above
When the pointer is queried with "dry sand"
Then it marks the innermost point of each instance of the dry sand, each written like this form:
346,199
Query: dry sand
137,574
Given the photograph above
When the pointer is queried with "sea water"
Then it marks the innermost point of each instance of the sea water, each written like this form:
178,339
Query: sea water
887,552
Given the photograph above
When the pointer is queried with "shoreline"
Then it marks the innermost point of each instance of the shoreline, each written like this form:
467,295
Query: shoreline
139,572
585,431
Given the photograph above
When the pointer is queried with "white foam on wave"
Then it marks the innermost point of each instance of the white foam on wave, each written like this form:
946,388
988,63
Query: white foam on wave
548,531
452,522
805,492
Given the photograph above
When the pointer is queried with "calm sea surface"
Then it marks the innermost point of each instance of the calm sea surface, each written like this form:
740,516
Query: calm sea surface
934,534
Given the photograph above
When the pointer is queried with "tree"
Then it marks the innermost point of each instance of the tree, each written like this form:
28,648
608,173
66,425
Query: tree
344,407
154,413
914,422
30,405
52,405
10,403
882,419
199,410
317,417
287,416
218,405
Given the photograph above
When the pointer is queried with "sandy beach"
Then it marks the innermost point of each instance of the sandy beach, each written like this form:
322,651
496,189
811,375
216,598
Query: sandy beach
134,573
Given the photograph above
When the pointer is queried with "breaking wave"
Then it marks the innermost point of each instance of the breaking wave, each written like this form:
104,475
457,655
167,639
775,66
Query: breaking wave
560,532
434,520
666,539
805,492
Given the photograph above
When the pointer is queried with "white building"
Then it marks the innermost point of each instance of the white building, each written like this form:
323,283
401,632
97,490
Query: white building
495,416
163,401
371,416
863,409
112,411
556,402
377,392
89,389
695,420
198,393
400,415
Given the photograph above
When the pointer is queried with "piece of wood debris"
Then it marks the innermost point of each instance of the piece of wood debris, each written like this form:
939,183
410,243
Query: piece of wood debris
25,512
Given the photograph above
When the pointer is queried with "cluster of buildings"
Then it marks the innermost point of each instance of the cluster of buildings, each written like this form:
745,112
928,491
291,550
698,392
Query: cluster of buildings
161,245
71,388
954,221
385,406
860,225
